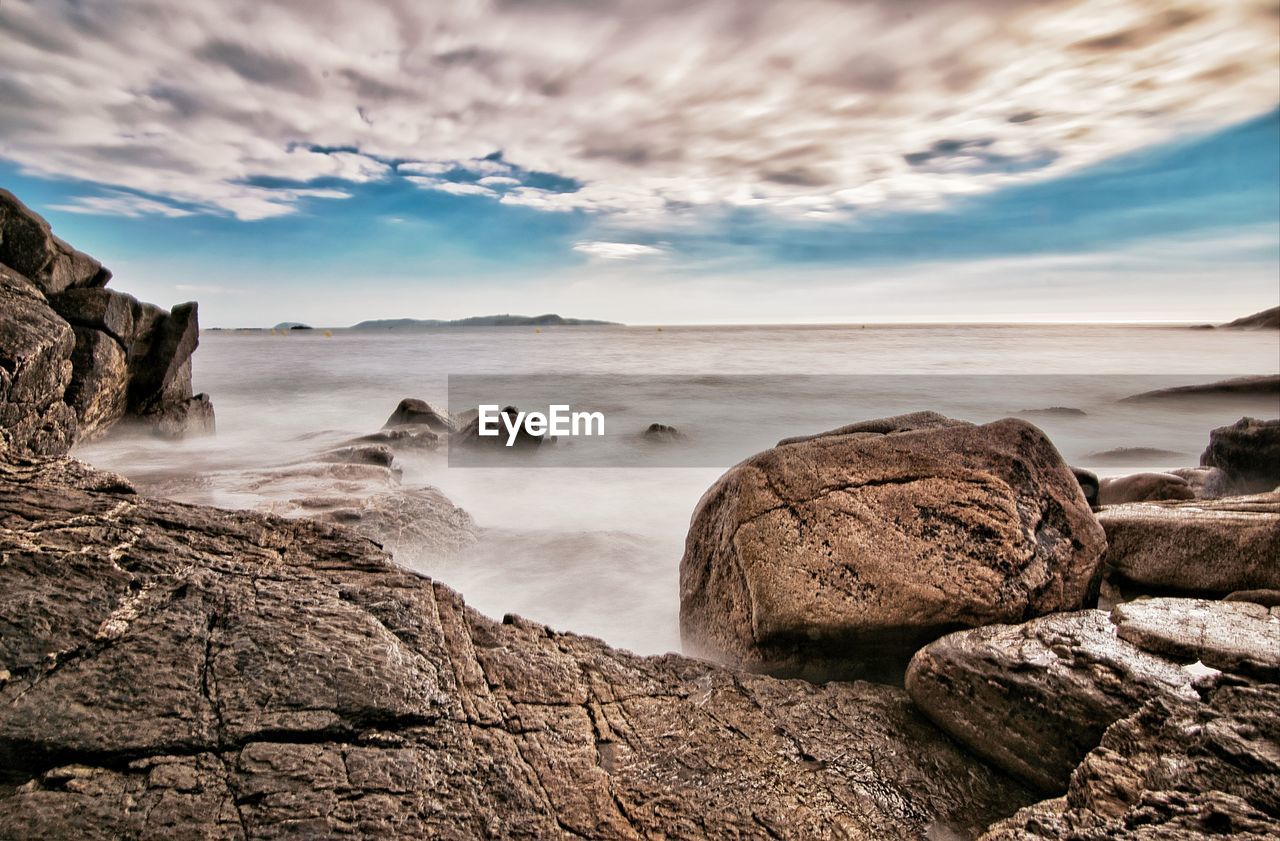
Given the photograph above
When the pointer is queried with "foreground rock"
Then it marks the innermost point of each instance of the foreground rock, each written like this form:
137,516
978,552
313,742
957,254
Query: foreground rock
841,554
1035,698
1248,454
186,672
1209,547
1232,636
1173,771
1143,487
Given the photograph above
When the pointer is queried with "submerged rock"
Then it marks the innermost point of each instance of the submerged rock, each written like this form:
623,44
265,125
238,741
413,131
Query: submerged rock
1200,547
841,554
1035,698
1248,453
415,437
1143,487
1173,771
661,433
191,672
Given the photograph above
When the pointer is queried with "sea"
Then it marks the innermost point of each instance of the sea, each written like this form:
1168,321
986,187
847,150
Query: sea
588,535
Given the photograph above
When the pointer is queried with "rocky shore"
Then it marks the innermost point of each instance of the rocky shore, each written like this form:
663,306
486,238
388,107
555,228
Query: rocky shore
180,671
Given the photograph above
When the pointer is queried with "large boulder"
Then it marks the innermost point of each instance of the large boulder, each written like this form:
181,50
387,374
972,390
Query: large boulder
35,369
839,555
100,382
1035,698
185,672
1248,452
1143,487
1173,771
28,246
1210,547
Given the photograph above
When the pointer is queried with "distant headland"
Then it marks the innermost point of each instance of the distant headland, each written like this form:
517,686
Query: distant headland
504,320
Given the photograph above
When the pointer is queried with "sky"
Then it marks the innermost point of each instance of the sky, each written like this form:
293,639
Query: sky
654,161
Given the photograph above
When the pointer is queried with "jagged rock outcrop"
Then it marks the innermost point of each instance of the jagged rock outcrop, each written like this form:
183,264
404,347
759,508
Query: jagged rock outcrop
28,246
1248,454
35,369
840,554
124,359
178,671
1173,771
1210,547
1035,698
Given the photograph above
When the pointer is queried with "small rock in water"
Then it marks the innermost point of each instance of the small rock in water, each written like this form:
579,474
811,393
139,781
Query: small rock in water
1143,487
414,411
661,433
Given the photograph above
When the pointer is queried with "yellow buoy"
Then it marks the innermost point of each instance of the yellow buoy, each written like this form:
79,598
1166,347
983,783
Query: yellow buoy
328,334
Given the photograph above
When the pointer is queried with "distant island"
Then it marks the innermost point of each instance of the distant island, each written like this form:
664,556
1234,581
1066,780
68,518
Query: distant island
548,320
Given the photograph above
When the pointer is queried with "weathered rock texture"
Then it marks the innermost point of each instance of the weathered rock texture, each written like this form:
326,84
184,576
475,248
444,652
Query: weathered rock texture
1035,698
35,369
1173,771
1236,636
171,671
1210,547
1248,453
841,554
75,358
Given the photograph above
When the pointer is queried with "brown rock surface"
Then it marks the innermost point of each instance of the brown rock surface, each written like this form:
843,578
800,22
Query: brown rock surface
176,671
1238,636
1035,698
841,554
1201,547
1173,771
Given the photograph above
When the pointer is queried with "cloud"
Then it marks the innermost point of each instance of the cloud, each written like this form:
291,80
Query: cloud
121,204
652,109
616,250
